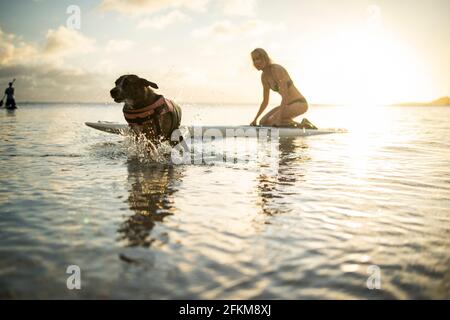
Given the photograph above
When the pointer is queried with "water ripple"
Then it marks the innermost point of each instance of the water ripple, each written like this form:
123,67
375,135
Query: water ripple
139,226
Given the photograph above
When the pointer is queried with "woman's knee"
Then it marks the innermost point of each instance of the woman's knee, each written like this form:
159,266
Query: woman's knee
272,120
264,122
263,119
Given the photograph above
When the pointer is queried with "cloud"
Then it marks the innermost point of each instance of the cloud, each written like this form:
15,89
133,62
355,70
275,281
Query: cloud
162,21
145,7
60,43
46,82
41,70
156,50
119,45
239,7
226,30
45,72
194,5
63,42
14,50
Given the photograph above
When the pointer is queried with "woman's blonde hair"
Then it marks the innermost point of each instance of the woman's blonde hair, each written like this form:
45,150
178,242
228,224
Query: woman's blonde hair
261,53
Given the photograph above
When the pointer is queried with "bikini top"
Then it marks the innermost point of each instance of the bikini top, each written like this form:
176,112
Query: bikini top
276,88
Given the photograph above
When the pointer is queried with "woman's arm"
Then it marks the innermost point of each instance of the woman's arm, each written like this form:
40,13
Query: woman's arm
264,103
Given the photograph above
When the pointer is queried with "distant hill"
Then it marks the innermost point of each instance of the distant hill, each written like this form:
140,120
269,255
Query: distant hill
444,101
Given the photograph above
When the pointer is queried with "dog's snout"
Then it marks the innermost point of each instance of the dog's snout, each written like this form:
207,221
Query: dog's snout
114,92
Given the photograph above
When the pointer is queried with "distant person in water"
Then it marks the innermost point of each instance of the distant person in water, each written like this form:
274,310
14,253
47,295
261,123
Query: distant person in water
9,93
293,104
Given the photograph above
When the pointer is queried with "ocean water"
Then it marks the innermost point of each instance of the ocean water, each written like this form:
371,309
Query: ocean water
357,215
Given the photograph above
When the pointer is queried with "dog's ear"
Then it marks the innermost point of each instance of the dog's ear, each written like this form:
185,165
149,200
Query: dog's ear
147,83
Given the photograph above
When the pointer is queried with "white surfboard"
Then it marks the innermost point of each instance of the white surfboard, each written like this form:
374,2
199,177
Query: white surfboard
224,131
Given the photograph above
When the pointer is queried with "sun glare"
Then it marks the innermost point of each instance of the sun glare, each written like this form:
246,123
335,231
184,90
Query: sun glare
364,68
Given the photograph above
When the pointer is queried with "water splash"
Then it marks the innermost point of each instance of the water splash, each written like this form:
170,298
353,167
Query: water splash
146,151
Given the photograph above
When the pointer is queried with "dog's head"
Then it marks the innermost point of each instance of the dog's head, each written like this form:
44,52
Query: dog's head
130,88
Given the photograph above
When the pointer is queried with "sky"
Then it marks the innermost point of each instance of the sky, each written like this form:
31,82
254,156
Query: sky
198,51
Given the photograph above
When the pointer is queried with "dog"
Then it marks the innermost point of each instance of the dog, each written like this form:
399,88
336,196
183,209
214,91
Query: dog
145,111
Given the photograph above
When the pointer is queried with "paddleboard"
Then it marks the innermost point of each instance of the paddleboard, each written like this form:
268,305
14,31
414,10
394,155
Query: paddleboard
225,131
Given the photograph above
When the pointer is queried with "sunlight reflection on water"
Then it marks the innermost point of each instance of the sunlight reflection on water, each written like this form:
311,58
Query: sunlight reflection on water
334,206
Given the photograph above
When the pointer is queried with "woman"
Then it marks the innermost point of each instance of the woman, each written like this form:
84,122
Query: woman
293,103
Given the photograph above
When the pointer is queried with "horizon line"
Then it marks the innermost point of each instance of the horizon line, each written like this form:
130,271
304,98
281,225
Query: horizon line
230,103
